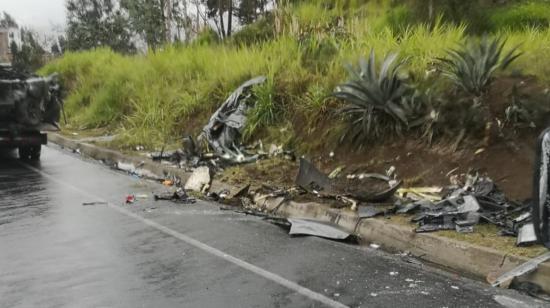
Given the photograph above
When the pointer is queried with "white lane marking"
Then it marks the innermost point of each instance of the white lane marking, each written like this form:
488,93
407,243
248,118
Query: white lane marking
200,245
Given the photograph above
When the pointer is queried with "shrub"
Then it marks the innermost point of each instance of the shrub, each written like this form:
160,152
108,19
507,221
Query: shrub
255,33
472,67
374,98
207,37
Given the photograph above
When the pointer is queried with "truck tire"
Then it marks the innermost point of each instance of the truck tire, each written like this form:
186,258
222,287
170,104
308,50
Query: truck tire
30,152
35,152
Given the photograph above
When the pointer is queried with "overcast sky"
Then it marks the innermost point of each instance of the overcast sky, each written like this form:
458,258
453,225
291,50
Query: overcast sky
44,16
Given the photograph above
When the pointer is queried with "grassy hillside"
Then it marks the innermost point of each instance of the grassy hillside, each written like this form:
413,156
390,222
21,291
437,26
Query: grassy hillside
152,99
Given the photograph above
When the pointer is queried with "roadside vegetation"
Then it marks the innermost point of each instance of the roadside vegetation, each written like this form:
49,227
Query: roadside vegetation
349,72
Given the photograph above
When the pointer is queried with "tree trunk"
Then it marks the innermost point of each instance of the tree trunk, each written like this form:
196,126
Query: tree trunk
220,13
229,17
167,13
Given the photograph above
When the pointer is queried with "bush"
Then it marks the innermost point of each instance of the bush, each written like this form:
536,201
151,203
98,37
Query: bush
375,99
471,68
207,37
256,33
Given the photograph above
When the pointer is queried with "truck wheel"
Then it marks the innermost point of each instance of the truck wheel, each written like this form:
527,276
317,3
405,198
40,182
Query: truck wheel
30,152
35,152
24,153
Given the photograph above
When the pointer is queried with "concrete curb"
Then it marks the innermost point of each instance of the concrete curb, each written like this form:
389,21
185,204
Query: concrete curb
472,260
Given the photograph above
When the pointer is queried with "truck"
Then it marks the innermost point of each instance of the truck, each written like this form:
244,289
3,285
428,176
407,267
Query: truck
30,106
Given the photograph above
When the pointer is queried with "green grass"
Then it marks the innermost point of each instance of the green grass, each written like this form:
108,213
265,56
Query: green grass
530,14
153,99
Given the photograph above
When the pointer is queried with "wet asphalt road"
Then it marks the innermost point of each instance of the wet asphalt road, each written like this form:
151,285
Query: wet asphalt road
55,252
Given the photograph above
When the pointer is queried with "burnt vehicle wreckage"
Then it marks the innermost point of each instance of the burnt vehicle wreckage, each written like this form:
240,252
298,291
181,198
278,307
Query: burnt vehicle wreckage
29,106
471,199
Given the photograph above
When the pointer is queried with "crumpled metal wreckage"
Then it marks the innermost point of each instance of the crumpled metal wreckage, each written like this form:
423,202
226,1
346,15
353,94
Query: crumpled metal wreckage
318,183
223,134
316,228
223,131
463,207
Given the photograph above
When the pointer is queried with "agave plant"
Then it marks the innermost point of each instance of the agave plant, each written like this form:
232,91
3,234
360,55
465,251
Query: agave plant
472,67
375,98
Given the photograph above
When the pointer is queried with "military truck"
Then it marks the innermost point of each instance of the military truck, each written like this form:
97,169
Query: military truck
29,106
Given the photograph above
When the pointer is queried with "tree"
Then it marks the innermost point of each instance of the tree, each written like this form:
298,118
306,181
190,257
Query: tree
29,56
216,9
58,46
147,19
249,10
7,21
97,23
158,21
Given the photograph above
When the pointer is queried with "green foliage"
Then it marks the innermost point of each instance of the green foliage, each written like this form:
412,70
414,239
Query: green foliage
97,23
250,10
374,98
470,12
266,112
472,67
29,54
148,99
256,33
399,19
531,14
7,21
207,37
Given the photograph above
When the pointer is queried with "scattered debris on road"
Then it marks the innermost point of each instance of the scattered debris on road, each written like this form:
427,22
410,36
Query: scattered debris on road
178,196
94,203
130,199
369,187
199,180
460,207
316,228
523,269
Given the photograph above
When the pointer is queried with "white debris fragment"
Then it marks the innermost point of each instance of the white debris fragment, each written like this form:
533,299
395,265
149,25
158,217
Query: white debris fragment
374,294
336,294
394,273
412,285
390,171
128,167
425,293
198,180
409,280
455,287
374,246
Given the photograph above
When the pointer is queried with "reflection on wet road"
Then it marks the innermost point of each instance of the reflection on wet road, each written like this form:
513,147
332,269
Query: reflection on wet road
55,252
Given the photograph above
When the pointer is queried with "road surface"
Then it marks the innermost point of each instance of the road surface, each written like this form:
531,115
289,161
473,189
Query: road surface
56,252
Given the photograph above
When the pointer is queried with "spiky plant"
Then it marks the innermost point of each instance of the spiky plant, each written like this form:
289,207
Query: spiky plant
374,98
472,67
